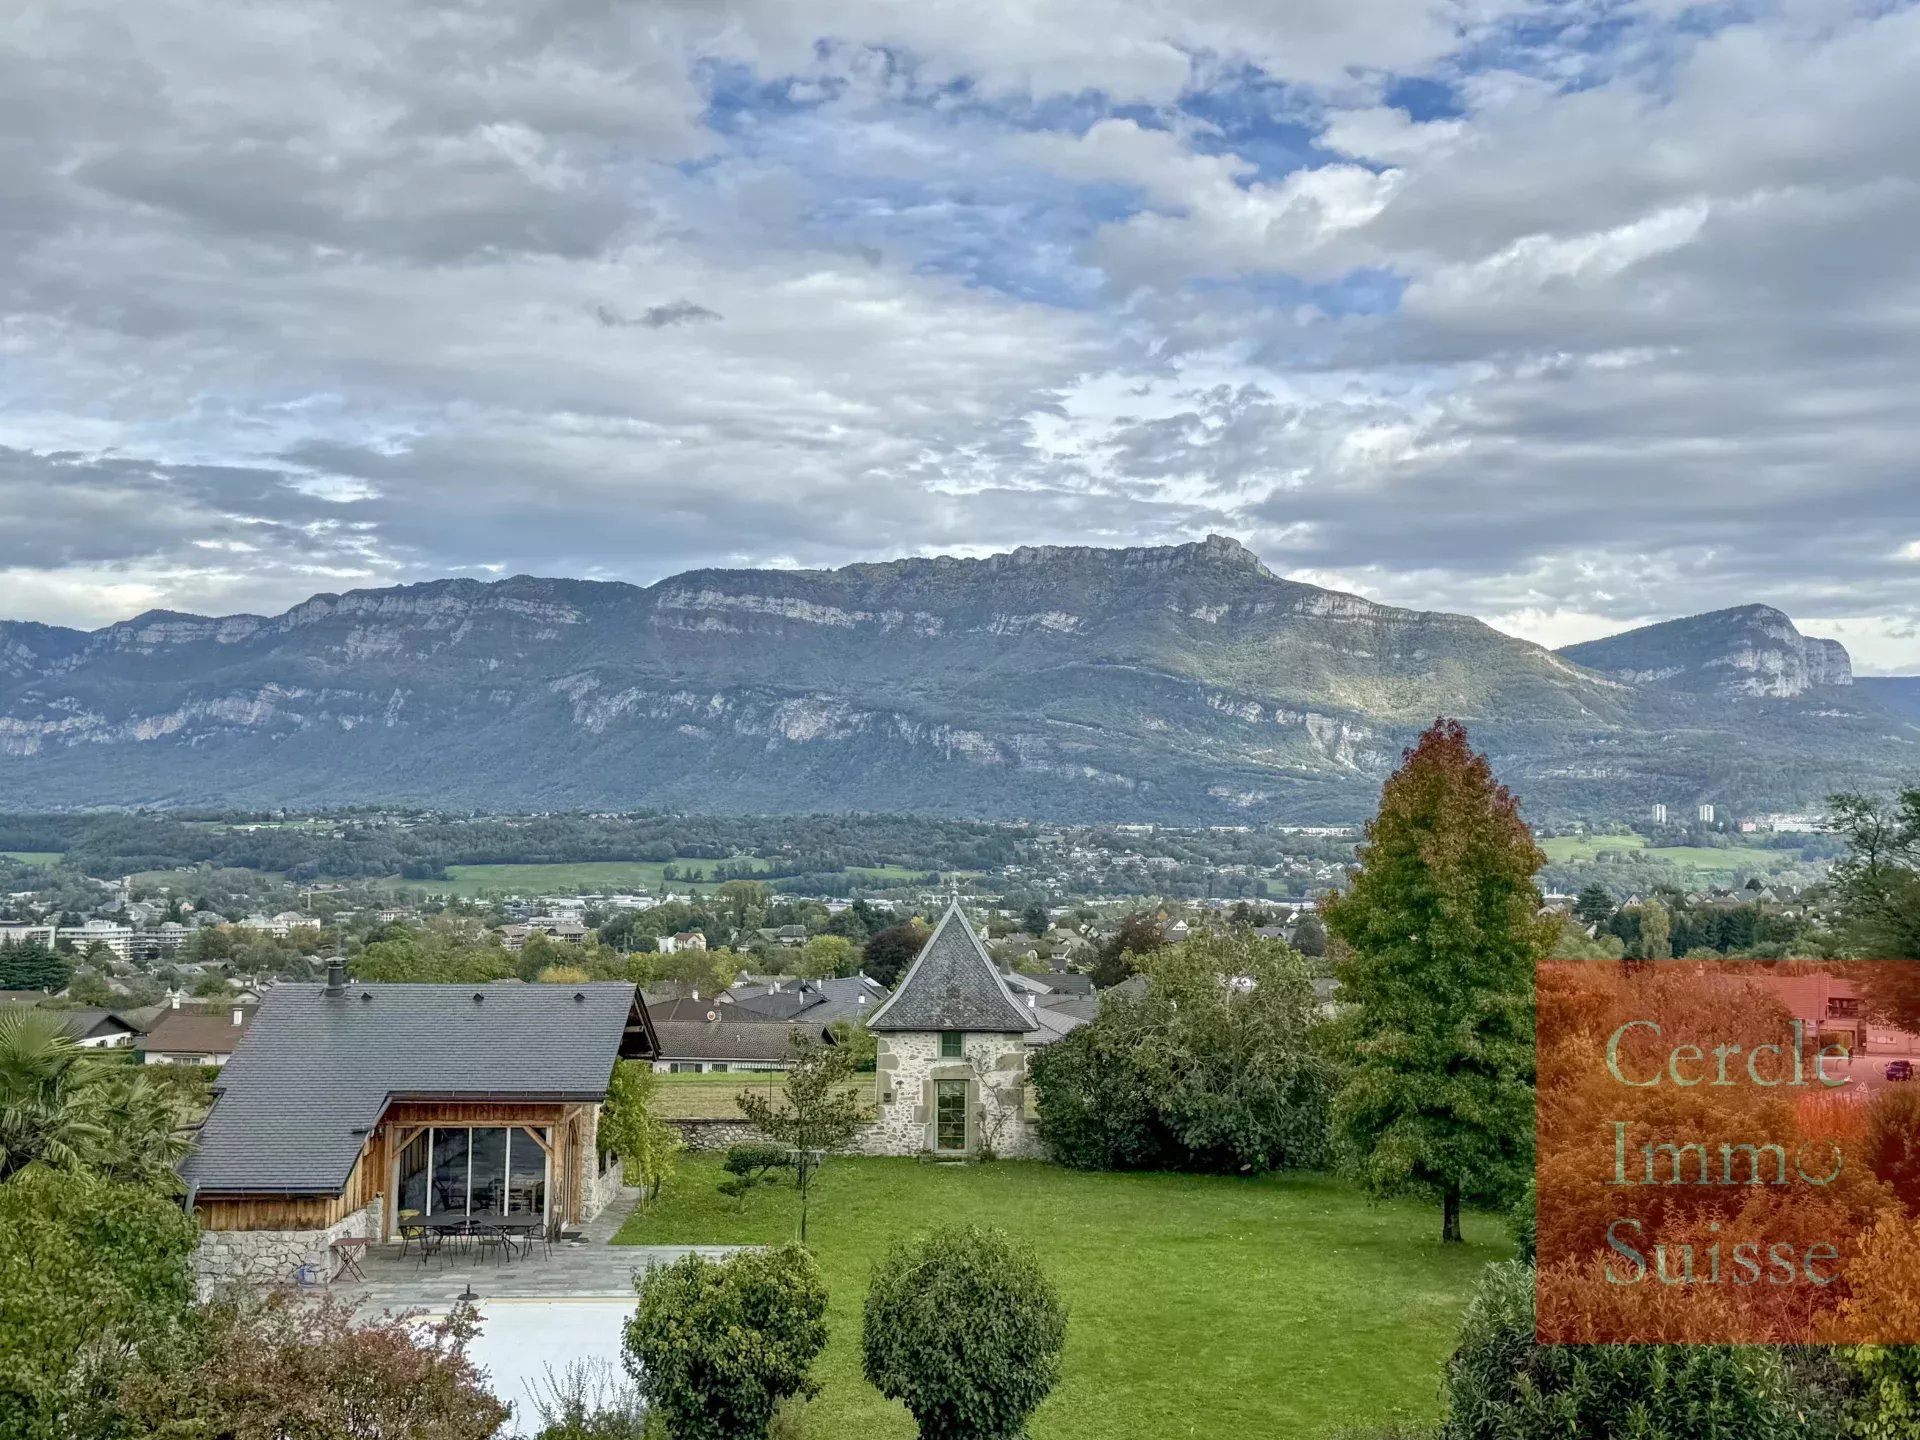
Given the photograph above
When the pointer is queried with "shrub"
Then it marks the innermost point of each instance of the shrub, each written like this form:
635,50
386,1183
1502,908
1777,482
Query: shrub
716,1345
751,1165
90,1271
964,1328
1500,1384
290,1368
589,1401
1893,1143
1886,1402
1525,1220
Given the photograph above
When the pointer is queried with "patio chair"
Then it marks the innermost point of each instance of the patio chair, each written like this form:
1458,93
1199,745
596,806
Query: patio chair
407,1224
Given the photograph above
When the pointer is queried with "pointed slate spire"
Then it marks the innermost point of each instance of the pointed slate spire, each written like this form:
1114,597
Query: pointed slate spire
953,985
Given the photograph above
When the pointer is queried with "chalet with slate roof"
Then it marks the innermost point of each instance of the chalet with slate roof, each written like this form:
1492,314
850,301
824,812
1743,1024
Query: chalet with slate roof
348,1106
952,1060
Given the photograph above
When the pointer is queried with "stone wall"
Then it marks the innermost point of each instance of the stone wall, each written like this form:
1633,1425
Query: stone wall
909,1063
597,1191
994,1068
259,1258
703,1135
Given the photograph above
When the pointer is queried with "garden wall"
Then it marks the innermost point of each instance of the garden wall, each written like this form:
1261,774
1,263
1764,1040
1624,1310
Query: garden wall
261,1258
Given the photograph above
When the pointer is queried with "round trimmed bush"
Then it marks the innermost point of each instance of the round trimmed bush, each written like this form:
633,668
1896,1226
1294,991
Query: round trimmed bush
964,1328
716,1345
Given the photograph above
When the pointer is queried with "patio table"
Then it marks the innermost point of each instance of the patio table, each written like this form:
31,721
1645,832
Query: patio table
517,1225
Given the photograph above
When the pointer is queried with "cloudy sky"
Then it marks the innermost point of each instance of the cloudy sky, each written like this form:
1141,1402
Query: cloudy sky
1569,315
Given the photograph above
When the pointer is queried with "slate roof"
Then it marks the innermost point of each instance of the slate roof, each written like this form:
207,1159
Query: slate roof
198,1032
729,1039
953,985
818,1002
314,1072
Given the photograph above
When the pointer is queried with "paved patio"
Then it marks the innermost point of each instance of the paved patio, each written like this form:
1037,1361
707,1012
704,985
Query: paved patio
592,1268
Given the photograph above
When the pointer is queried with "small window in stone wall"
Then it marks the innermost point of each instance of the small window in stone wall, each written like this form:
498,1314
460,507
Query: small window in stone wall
953,1044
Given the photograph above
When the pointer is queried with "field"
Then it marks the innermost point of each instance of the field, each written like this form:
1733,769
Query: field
1282,1307
710,1097
33,857
1564,848
469,881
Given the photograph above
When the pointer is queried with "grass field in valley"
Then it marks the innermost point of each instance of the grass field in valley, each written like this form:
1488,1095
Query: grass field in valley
1286,1306
1564,848
33,857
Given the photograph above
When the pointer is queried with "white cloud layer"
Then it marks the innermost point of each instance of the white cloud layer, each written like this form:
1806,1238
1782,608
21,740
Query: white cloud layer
1571,317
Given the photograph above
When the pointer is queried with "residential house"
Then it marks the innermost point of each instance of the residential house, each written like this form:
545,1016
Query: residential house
90,1028
1831,1010
347,1106
196,1035
718,1041
952,1054
685,940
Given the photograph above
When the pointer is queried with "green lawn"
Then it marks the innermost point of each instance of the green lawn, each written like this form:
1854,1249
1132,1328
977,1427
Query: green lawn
1563,848
1199,1306
34,857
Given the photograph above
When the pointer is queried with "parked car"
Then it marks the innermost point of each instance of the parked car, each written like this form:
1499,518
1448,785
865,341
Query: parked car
1899,1070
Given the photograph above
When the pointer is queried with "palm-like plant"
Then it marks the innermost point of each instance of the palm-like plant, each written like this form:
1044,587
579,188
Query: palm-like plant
138,1142
47,1113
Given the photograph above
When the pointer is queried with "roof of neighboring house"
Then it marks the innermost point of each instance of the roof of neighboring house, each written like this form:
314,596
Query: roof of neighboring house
315,1071
1066,982
818,1002
1081,1007
82,1024
199,1032
662,991
691,1011
1054,1022
953,985
728,1039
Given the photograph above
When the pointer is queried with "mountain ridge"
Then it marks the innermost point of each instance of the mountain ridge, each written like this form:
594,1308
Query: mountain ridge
1178,682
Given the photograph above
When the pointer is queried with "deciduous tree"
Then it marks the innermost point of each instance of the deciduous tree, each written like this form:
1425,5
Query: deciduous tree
815,1114
1443,928
888,954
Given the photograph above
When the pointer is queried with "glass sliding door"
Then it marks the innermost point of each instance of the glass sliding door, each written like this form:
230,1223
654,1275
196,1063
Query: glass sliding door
526,1174
449,1171
464,1169
414,1161
487,1169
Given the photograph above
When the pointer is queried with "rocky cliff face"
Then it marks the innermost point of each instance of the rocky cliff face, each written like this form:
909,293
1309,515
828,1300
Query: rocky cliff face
1749,650
1181,682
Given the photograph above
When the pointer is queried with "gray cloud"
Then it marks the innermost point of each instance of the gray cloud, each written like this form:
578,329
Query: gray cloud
303,296
656,317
